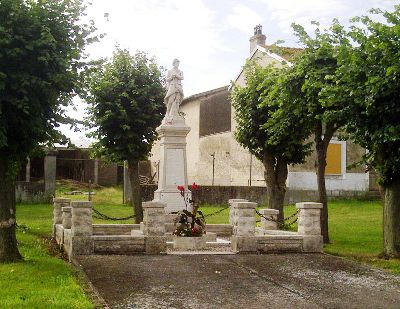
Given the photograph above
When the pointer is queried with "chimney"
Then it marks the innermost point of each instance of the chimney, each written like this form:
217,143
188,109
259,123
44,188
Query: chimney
257,39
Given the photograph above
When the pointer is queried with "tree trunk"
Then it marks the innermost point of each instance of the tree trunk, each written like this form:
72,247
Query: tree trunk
8,240
322,196
321,146
391,219
275,175
136,199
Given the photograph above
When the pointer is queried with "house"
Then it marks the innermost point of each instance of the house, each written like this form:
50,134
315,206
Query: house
214,157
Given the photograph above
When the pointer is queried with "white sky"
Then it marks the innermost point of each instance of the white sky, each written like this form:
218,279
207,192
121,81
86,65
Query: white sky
209,37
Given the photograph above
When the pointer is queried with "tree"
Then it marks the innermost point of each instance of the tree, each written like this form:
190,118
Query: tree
369,77
309,77
126,105
256,105
40,57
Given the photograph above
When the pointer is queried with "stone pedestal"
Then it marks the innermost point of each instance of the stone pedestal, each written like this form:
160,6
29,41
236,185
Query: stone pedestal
309,226
66,217
189,243
59,203
244,225
154,227
231,212
81,228
173,165
271,214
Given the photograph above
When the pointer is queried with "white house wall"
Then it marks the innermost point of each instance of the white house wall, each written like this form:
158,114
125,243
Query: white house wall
347,182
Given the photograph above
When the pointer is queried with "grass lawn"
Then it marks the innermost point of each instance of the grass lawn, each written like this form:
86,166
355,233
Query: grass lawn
46,281
42,280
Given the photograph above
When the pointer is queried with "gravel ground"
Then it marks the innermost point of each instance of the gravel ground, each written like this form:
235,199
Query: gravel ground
235,281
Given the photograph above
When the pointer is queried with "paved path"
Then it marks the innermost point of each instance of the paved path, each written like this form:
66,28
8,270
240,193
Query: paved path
239,281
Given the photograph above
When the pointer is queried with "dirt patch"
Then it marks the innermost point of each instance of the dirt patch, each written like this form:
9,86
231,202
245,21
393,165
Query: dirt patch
234,281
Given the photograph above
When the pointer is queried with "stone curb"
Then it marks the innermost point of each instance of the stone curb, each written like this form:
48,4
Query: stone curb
93,294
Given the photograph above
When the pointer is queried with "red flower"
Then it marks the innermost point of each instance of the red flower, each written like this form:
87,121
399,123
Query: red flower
181,188
195,187
194,230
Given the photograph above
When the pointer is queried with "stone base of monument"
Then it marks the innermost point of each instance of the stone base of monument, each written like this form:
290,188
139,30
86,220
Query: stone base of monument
189,243
210,237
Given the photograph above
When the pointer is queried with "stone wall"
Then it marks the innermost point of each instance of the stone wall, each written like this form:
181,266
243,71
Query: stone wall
221,194
30,192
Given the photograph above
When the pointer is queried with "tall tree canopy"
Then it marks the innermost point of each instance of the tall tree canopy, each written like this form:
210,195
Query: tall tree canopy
311,75
126,106
41,45
369,77
256,105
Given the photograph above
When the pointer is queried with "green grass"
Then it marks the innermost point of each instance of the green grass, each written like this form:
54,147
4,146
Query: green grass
41,280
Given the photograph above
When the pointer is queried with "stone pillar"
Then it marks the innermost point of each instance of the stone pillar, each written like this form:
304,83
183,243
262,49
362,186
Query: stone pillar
244,225
58,203
50,173
231,211
28,170
173,164
81,228
154,226
96,171
309,226
66,217
270,214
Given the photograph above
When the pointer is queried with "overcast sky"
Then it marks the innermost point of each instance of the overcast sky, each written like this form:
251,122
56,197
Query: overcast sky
209,37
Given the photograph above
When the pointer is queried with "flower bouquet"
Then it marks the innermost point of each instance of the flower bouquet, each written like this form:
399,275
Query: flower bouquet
189,224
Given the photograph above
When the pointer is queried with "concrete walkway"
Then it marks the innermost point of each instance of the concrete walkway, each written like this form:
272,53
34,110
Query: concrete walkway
239,281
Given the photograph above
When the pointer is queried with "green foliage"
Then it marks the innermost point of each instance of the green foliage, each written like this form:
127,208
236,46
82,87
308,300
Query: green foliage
312,76
126,97
369,77
257,106
41,45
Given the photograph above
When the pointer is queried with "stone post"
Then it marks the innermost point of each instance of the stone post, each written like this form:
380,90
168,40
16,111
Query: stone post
58,203
309,226
28,170
154,226
66,217
270,214
50,173
231,201
81,228
244,225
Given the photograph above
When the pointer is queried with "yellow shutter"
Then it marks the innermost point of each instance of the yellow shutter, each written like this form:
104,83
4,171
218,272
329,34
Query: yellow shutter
334,160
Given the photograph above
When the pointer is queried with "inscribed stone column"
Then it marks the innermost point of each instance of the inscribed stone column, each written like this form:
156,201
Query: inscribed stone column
309,226
154,226
81,228
244,225
50,173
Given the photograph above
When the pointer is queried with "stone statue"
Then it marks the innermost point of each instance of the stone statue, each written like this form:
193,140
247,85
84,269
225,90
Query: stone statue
174,95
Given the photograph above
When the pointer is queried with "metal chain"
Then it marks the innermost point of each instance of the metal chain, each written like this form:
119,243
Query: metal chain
216,212
283,224
98,215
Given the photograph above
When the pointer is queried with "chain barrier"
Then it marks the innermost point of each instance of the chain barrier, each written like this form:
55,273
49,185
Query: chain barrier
216,212
98,215
281,225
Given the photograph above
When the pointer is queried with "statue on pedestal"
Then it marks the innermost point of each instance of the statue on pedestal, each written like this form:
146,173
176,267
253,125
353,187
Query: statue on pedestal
174,95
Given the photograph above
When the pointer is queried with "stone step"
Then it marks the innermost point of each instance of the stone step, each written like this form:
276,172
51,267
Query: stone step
118,244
